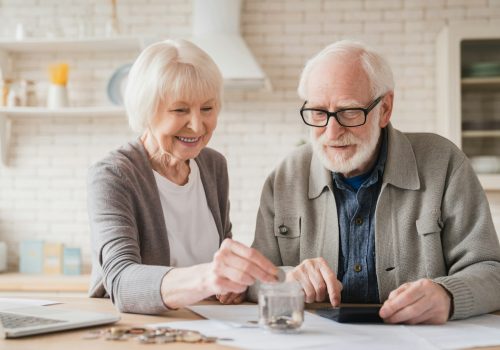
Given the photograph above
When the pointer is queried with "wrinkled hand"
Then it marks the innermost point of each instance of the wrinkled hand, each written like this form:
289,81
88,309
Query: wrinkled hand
231,298
422,301
317,280
235,267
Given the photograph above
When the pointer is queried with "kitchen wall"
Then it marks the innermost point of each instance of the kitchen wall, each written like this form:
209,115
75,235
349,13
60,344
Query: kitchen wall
42,191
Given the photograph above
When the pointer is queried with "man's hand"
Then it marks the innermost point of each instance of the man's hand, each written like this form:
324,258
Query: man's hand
317,280
422,301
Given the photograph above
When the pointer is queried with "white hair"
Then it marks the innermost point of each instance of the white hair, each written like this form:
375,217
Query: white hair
169,70
374,64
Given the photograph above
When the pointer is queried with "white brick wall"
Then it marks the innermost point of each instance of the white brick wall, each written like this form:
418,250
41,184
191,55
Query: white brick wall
42,192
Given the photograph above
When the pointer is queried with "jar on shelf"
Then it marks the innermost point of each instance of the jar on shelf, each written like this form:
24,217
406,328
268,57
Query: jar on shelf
13,99
4,91
31,97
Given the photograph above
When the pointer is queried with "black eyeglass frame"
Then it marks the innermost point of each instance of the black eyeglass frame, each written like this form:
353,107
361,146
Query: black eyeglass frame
334,114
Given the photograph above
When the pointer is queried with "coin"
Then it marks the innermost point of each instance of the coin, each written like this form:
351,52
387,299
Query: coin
166,338
191,337
144,339
283,323
135,330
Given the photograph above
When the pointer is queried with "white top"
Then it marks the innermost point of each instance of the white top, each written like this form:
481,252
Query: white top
191,230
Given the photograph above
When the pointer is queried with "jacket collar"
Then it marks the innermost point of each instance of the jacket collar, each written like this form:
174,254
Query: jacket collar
400,167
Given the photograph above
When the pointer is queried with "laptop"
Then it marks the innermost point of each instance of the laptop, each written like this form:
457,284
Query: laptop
18,322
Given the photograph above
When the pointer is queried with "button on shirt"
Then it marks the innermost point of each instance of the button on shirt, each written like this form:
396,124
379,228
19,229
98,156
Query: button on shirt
356,200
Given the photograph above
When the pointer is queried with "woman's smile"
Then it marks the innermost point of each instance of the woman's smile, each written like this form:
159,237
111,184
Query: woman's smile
188,141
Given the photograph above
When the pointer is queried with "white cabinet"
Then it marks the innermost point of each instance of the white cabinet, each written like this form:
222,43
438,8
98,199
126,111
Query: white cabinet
9,47
468,95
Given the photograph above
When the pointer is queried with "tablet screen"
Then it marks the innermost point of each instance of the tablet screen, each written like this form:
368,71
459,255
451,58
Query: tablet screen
352,314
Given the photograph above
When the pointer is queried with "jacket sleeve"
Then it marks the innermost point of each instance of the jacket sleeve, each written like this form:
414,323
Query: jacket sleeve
470,246
265,241
132,286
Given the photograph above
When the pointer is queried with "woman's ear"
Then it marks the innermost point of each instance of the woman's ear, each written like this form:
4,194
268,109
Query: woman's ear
386,109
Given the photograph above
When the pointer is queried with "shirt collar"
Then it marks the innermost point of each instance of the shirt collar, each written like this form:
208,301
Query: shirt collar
375,172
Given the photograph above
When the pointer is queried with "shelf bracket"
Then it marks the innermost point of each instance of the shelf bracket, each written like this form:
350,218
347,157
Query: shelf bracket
5,128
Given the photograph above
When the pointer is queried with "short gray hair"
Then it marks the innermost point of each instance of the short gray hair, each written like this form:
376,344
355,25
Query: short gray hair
374,64
173,70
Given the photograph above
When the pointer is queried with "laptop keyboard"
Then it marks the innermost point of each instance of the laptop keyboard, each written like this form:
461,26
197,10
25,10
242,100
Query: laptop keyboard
19,321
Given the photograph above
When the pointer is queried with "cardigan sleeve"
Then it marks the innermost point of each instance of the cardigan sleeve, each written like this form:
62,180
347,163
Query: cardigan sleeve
132,286
470,246
265,241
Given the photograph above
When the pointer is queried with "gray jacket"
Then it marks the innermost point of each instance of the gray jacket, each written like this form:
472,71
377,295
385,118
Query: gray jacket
130,250
432,220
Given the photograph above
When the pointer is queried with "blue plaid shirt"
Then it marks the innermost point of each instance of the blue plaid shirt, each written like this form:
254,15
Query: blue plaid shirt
356,200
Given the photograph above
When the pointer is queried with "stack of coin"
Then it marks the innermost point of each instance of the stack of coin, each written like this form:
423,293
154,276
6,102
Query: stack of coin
158,335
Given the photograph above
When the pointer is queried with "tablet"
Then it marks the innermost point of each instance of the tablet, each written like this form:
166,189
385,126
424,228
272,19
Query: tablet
352,314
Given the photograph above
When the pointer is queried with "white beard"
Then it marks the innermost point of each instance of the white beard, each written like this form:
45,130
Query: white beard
338,163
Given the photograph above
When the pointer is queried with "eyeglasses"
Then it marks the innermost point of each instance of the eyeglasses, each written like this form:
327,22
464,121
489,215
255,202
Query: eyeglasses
348,117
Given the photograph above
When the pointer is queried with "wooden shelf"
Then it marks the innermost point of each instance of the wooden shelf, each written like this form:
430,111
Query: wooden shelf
70,112
480,133
480,84
16,282
56,45
474,81
72,45
7,114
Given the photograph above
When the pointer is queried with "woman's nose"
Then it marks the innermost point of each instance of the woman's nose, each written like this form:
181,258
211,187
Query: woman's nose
195,122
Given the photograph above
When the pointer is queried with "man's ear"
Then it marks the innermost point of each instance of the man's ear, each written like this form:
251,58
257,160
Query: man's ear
386,109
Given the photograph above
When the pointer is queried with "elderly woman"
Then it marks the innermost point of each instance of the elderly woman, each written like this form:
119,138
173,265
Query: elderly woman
158,206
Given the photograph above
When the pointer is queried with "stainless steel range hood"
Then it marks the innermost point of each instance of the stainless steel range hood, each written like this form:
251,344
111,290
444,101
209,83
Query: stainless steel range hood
216,29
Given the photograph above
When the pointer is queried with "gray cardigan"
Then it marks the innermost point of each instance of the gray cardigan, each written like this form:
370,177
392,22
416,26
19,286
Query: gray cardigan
130,250
432,220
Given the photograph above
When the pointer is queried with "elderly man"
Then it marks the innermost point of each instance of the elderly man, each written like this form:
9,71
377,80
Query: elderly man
368,214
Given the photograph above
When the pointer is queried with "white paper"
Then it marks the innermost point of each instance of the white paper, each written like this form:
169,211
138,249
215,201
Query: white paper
11,303
230,321
473,332
320,333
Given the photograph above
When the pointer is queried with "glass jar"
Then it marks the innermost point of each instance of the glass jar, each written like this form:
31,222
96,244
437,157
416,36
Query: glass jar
281,306
31,98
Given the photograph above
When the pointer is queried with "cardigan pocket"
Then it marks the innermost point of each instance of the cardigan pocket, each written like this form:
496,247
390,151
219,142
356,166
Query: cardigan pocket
287,233
429,228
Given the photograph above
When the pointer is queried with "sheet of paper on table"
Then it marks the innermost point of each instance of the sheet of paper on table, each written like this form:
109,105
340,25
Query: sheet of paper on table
231,321
10,303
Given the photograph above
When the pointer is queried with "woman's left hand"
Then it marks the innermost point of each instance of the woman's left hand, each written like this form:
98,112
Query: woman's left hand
231,298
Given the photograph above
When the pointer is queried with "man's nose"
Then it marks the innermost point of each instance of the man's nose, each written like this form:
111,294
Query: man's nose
334,129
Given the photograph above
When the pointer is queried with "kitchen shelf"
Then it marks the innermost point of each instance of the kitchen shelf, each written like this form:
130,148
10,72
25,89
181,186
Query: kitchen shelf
59,45
481,133
7,114
480,83
70,45
458,46
71,112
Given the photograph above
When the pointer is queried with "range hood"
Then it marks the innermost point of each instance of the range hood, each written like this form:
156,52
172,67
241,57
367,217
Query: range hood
216,29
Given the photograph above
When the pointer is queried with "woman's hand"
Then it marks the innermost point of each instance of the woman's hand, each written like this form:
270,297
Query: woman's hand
231,298
235,267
